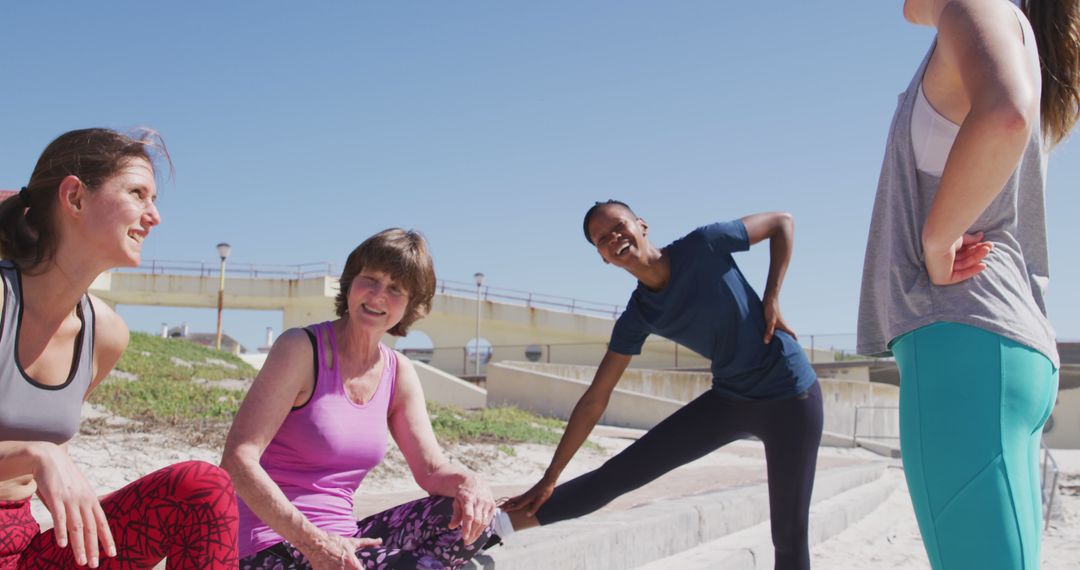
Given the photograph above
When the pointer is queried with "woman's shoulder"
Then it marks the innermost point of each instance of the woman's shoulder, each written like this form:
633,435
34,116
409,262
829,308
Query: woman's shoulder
111,333
296,339
402,362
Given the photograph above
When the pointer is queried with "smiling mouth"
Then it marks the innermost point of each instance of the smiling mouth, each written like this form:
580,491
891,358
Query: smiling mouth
622,249
371,311
136,235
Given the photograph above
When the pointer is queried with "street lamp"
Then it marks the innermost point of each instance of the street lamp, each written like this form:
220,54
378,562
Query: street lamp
223,251
479,278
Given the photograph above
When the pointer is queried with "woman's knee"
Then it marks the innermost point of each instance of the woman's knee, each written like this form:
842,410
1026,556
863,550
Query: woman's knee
198,482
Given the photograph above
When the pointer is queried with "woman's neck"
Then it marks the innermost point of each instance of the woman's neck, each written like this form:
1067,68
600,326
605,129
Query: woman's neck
50,292
654,270
359,343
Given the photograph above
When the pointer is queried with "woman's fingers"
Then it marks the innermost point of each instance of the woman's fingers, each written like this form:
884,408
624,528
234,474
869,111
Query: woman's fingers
364,542
455,518
971,238
468,521
104,532
960,275
59,515
91,527
77,535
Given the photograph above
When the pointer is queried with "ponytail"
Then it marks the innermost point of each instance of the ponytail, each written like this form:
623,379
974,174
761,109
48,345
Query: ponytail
28,235
1056,24
16,237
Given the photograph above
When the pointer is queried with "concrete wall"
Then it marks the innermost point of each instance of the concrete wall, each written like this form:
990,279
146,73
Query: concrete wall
668,384
1065,431
553,389
255,359
877,404
438,386
550,395
446,389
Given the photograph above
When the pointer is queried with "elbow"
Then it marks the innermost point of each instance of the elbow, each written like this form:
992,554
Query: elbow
235,463
1012,119
786,222
230,463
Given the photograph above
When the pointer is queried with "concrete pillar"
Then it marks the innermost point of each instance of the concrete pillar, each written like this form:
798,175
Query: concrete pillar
298,314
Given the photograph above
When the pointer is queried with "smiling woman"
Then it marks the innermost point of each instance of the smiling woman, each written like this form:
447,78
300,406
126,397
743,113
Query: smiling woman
87,208
315,423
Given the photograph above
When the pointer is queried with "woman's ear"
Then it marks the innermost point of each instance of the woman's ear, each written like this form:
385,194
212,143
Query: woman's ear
71,193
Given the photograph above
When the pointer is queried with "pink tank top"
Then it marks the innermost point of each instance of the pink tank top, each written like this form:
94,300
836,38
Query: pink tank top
324,449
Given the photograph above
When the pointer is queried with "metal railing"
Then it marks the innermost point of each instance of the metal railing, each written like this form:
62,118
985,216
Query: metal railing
529,299
326,269
1049,484
830,347
250,270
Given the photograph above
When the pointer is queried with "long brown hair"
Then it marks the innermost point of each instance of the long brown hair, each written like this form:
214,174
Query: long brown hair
27,233
1056,24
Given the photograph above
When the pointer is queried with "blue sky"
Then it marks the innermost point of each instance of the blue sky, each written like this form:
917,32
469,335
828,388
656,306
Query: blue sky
297,130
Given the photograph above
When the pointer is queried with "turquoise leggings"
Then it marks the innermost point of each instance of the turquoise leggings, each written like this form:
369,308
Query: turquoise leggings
972,408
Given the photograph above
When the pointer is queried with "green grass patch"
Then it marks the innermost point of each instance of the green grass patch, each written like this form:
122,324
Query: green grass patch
164,395
495,425
164,391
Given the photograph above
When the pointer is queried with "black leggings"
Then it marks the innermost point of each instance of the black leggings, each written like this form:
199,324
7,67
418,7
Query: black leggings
790,430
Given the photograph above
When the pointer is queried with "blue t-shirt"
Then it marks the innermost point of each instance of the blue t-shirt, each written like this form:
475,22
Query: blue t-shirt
708,307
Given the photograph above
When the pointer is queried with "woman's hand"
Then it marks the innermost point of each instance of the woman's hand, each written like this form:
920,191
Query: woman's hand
76,511
530,501
474,507
773,320
959,261
333,552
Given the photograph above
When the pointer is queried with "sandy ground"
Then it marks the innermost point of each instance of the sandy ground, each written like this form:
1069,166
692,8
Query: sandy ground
887,538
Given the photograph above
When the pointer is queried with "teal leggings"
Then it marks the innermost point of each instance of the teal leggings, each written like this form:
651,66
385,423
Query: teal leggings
972,408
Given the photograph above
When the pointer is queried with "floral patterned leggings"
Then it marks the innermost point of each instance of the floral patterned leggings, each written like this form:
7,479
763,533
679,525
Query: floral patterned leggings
414,535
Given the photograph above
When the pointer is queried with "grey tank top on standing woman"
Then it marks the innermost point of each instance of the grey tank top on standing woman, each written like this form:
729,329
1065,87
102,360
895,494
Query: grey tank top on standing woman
1007,298
30,411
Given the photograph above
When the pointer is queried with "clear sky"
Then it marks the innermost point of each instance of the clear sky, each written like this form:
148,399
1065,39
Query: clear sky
299,129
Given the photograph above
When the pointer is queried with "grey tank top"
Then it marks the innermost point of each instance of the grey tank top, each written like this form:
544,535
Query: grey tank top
1007,298
30,411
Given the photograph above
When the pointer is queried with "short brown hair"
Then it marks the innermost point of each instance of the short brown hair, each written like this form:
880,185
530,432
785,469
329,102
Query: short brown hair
404,256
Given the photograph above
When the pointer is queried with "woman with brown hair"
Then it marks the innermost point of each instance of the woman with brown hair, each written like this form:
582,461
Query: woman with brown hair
956,270
315,423
87,208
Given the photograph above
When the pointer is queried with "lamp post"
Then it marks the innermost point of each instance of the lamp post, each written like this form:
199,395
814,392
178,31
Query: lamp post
223,251
479,278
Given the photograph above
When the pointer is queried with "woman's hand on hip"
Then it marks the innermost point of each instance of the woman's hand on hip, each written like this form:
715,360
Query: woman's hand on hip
474,507
959,261
773,320
77,515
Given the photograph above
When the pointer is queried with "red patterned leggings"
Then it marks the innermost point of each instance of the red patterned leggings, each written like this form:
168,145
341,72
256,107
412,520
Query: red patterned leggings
186,512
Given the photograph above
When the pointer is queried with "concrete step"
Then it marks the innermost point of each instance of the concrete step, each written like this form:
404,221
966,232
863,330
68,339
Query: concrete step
752,548
885,448
654,531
